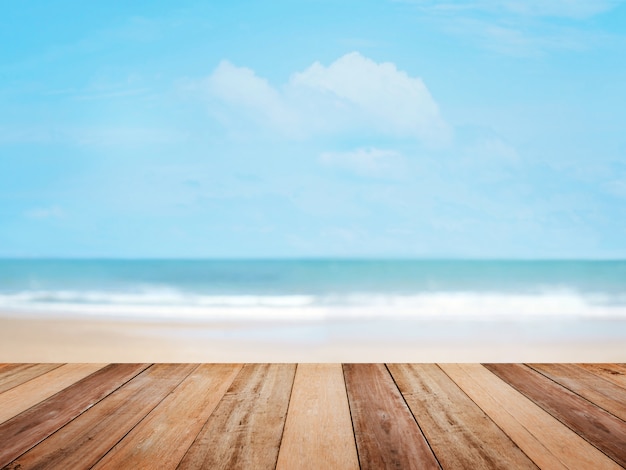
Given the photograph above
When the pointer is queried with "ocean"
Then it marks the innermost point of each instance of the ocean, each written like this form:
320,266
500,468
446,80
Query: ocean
314,290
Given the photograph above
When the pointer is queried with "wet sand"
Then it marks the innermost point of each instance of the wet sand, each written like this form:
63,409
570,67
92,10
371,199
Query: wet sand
32,339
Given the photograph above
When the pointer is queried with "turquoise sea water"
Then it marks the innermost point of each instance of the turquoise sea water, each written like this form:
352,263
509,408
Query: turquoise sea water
313,289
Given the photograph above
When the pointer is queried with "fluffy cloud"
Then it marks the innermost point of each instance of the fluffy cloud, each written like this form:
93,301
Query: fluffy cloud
353,94
241,87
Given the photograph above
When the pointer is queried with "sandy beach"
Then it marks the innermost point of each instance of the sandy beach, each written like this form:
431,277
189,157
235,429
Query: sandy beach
72,339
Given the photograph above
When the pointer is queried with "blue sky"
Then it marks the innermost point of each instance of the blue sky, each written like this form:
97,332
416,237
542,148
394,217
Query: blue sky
423,128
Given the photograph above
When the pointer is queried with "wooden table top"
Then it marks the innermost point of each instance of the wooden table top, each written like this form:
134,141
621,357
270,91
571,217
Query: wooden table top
317,416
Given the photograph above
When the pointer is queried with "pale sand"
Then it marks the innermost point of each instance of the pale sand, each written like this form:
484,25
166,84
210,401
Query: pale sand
98,340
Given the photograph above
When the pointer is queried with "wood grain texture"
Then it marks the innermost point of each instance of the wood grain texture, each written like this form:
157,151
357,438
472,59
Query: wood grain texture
597,390
163,437
12,375
245,429
318,430
7,368
86,439
611,372
459,432
542,437
22,397
597,426
386,433
27,429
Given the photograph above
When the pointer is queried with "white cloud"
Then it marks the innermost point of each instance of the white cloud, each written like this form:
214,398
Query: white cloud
560,8
393,102
353,94
241,87
366,161
519,38
577,9
519,27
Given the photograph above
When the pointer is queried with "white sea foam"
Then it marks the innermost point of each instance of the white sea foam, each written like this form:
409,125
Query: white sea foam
174,304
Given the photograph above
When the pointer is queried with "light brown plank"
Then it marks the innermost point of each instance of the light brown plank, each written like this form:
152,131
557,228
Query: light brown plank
8,368
612,372
318,431
22,397
13,375
603,393
163,437
86,439
386,433
245,429
549,443
597,426
459,432
30,427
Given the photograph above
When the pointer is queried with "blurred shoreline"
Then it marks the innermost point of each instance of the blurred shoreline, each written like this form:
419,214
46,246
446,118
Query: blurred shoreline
73,339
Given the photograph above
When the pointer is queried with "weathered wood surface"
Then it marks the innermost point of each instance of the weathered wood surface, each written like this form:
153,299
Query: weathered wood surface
161,440
318,431
386,433
594,424
85,440
604,393
267,416
459,432
12,375
611,372
22,397
33,425
245,429
540,435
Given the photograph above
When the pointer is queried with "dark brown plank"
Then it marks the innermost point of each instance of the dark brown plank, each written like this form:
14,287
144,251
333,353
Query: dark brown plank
603,393
18,399
459,432
386,433
597,426
245,429
30,427
83,441
12,375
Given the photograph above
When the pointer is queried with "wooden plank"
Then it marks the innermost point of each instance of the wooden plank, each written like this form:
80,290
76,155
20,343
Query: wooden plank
386,433
86,439
542,437
30,427
459,432
13,375
9,369
163,437
597,426
22,397
318,430
603,393
612,372
245,429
